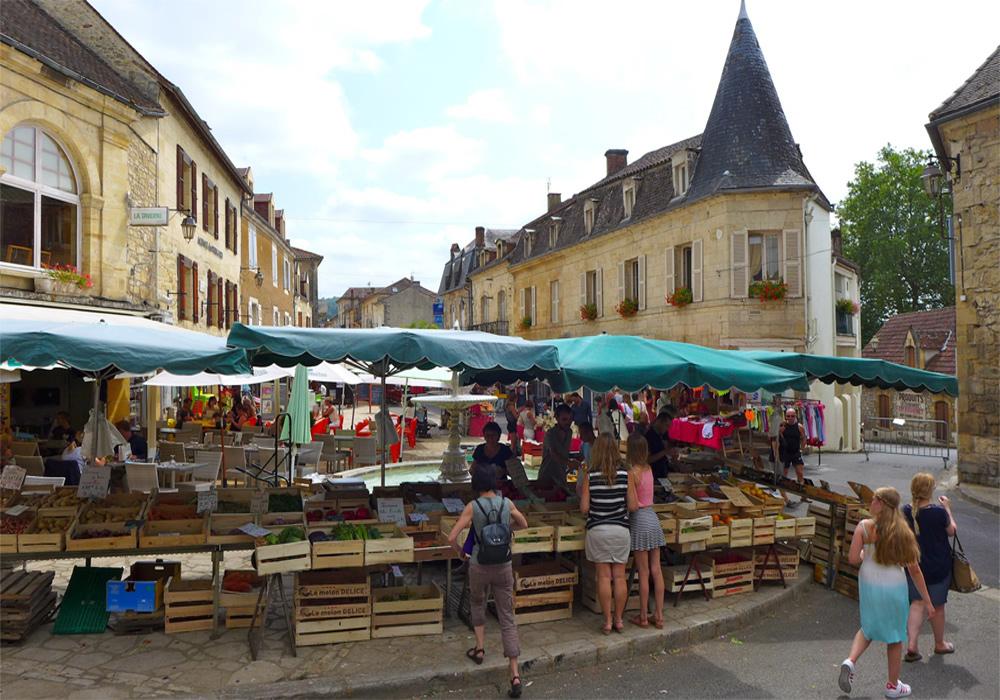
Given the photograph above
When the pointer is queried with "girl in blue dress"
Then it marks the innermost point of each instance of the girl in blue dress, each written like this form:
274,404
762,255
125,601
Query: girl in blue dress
884,545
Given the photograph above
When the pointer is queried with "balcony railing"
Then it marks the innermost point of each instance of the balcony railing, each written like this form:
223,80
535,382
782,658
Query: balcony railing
495,327
845,323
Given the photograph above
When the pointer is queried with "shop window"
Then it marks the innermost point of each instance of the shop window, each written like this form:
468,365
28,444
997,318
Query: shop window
631,280
39,201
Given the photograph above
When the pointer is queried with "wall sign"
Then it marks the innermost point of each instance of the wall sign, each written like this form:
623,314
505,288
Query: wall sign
210,248
148,216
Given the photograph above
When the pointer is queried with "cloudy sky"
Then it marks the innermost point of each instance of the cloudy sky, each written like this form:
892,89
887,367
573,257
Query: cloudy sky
388,130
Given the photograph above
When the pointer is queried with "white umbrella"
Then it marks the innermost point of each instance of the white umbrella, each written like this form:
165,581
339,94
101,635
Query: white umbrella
260,375
335,373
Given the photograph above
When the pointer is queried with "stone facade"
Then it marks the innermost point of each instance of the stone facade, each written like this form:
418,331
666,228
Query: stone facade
142,240
910,405
399,305
270,303
967,126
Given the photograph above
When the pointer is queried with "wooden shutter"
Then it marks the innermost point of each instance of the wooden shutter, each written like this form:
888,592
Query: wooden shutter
222,307
204,201
668,273
534,305
641,284
215,210
793,262
229,304
194,292
236,302
696,270
209,298
236,229
194,189
181,296
738,264
228,224
583,289
621,282
554,301
524,302
600,291
180,177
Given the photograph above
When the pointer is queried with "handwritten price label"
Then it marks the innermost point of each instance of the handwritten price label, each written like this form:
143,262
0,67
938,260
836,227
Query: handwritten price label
94,482
12,478
208,501
390,510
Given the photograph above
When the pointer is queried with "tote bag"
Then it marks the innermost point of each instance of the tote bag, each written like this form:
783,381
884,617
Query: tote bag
963,578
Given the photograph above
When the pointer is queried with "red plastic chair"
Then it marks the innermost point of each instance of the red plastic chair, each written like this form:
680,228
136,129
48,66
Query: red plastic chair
411,433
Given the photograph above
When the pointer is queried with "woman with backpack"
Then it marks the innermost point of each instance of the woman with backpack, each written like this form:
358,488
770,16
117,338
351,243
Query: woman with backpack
606,500
490,516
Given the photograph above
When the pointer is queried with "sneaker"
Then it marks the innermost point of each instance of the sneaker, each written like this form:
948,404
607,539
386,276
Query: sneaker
901,690
846,679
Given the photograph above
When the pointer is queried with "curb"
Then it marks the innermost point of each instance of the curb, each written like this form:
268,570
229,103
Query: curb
566,655
976,500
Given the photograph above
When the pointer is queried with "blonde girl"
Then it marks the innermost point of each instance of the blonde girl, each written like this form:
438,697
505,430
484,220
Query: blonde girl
884,546
645,530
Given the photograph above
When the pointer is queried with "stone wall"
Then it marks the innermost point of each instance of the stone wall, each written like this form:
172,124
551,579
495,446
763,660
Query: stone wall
408,306
141,240
909,405
977,305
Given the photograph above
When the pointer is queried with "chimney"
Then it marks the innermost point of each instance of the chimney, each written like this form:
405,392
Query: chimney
480,236
555,199
455,249
836,241
617,159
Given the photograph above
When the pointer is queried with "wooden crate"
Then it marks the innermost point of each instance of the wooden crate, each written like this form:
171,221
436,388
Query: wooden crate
26,601
335,554
276,522
741,532
588,587
173,533
407,611
241,618
784,529
236,501
544,591
62,502
688,547
222,525
188,605
35,541
698,529
763,530
673,579
538,538
744,585
394,547
718,536
805,527
9,542
788,561
238,599
122,537
332,607
279,558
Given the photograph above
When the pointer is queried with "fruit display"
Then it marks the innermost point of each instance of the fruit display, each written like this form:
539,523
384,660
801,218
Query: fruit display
61,498
289,534
319,515
94,515
284,503
15,525
91,534
240,581
50,524
345,532
172,512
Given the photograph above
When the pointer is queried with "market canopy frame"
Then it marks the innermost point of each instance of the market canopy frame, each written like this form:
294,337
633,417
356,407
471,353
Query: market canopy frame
857,371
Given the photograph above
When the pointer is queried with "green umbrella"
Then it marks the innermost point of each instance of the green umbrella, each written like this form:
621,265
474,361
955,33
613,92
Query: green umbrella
630,363
297,429
859,371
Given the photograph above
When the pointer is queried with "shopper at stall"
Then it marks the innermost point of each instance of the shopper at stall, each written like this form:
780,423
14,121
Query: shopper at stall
791,438
492,451
510,415
884,546
184,413
645,530
61,428
581,410
556,460
489,510
933,524
74,451
526,419
656,444
136,442
587,438
606,500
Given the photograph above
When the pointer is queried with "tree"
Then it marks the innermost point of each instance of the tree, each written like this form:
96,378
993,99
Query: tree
895,232
421,323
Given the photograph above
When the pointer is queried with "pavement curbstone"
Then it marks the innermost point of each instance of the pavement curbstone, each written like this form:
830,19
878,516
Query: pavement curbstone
982,496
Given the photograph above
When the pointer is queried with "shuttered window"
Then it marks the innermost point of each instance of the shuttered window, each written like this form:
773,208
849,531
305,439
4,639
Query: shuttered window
194,293
181,288
220,314
793,261
696,271
738,264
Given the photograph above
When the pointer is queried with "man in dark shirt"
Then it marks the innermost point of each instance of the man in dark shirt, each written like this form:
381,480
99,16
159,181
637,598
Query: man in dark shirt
136,442
555,450
658,459
581,410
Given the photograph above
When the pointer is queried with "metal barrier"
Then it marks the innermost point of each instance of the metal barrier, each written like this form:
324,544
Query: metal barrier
907,436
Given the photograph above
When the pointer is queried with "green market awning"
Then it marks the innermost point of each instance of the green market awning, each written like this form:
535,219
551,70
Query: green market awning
630,363
385,351
858,371
108,344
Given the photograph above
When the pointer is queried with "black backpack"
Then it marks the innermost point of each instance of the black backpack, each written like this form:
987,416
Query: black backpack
494,540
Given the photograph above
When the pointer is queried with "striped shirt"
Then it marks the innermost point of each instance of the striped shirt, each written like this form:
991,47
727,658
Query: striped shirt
608,505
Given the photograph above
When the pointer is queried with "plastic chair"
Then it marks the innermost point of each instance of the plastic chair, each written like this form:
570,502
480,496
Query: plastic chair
141,477
32,465
173,450
365,453
308,458
25,448
206,474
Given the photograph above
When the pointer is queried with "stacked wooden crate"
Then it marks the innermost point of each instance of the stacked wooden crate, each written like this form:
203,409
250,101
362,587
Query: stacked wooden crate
763,530
188,605
407,611
588,587
732,571
332,607
544,591
699,579
784,558
240,604
26,601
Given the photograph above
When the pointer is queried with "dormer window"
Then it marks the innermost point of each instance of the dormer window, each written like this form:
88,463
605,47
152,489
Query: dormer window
554,231
529,242
628,196
589,215
681,162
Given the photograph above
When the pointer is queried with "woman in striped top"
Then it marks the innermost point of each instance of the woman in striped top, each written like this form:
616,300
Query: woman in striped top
606,500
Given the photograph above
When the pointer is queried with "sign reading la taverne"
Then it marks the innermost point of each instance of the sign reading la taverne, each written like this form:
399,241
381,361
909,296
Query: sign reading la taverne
148,216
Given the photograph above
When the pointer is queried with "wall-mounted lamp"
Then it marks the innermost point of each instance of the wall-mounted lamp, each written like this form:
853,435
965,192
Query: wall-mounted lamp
933,175
188,226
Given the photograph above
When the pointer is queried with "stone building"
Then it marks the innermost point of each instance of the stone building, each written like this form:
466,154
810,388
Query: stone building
349,307
267,265
924,340
456,289
400,304
308,311
965,133
687,242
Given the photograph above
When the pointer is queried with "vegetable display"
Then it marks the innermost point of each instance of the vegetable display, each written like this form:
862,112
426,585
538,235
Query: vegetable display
284,503
289,534
347,531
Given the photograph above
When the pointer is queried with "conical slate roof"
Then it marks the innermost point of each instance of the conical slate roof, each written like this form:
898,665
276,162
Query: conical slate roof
747,142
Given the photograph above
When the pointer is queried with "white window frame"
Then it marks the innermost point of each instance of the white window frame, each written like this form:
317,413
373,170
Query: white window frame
554,227
589,216
554,302
276,317
39,190
681,176
775,237
286,274
252,247
274,265
628,197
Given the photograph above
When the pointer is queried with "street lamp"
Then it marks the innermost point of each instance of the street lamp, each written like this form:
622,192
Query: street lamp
258,276
188,226
932,175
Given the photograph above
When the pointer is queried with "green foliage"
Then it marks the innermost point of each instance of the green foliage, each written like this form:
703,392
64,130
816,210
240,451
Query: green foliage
894,231
421,323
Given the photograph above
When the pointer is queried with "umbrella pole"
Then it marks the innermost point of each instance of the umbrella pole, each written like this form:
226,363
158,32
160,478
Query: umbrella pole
381,432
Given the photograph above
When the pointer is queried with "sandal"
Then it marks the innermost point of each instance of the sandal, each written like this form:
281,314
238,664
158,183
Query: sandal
476,654
912,657
949,648
658,623
605,630
619,627
639,622
515,687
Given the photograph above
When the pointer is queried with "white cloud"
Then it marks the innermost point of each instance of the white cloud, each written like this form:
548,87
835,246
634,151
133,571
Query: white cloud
427,153
484,105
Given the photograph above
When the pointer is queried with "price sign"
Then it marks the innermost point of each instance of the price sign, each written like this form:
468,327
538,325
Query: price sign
665,483
94,482
417,518
15,511
258,502
390,510
12,477
208,501
453,505
255,531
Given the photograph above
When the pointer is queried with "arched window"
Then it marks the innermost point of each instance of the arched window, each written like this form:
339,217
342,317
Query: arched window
484,309
39,201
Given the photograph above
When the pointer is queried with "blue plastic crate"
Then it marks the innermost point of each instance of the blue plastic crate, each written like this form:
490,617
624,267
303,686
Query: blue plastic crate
134,596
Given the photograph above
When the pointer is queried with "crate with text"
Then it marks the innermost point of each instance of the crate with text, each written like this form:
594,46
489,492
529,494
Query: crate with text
407,611
673,578
188,605
785,558
732,571
544,591
332,607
